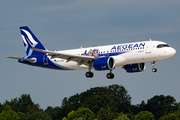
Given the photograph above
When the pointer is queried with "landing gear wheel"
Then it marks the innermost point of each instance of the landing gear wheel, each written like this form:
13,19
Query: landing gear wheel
89,74
153,64
154,70
110,75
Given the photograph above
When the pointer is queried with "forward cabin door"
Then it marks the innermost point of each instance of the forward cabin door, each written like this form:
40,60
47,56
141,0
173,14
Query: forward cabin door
148,47
149,56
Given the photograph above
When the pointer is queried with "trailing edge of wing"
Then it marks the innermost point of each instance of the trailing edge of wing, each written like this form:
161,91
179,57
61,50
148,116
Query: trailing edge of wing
32,60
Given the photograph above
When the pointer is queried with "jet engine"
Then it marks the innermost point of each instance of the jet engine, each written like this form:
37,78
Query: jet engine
138,67
105,63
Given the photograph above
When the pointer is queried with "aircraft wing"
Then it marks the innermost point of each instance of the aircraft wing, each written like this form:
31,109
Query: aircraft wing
86,60
69,57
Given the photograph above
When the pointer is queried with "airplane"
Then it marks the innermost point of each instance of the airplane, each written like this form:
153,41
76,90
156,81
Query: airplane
131,56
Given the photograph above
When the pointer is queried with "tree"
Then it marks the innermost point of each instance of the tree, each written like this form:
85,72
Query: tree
9,114
95,102
171,116
117,93
39,116
84,113
161,105
56,113
33,109
122,116
73,103
64,106
144,115
105,114
120,95
13,103
22,116
71,115
1,107
23,103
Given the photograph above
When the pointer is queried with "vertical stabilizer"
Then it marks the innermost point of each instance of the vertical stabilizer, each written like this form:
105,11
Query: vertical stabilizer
27,34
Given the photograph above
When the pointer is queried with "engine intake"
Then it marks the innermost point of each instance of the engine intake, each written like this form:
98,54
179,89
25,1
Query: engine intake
106,63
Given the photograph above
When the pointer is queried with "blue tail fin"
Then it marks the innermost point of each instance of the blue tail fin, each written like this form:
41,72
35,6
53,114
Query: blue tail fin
28,35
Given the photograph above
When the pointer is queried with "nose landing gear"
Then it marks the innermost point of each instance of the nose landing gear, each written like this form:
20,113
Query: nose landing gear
154,69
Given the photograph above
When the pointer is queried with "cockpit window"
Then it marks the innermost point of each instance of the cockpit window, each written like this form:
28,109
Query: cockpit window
162,45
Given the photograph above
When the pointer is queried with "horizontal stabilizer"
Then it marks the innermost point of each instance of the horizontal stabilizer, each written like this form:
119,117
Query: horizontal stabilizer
32,60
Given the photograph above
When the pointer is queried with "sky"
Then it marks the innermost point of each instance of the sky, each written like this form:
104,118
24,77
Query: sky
62,25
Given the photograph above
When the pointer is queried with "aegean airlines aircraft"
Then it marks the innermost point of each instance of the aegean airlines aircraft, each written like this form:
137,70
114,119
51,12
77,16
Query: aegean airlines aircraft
131,56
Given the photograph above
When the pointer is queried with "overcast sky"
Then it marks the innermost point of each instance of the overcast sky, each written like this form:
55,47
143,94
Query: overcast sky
61,25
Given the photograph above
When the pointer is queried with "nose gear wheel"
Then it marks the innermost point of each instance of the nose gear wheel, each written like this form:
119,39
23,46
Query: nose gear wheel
153,64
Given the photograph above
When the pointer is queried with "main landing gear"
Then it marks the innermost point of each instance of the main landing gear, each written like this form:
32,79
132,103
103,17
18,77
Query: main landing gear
154,69
110,75
90,74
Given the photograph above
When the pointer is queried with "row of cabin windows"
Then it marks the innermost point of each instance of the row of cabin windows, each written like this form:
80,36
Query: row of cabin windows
121,50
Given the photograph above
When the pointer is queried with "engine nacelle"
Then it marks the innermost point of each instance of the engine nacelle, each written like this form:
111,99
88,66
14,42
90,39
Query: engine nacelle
106,63
138,67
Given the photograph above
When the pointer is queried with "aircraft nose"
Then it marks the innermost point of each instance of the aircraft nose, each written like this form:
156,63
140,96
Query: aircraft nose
172,52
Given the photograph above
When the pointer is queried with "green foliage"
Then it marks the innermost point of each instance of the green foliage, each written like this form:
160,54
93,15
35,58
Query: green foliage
56,113
1,107
178,107
122,116
96,102
103,103
161,105
23,103
64,118
39,116
14,103
22,116
171,116
71,115
24,108
144,115
105,114
81,113
64,106
120,95
117,96
9,114
73,103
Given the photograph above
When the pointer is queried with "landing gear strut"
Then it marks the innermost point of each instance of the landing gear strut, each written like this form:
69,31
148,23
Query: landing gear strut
154,69
89,74
110,75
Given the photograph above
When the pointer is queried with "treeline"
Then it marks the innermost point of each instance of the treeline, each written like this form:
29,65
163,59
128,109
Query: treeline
100,103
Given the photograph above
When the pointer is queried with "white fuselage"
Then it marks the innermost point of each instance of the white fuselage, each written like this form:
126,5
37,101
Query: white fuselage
128,53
